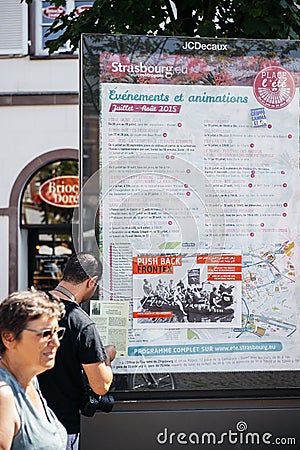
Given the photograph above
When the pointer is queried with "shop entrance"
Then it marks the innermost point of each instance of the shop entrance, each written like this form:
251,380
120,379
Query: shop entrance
48,203
49,249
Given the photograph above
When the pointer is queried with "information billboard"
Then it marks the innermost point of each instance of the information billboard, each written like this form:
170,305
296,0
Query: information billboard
190,158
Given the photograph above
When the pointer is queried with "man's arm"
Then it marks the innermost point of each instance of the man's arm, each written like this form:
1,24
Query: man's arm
100,374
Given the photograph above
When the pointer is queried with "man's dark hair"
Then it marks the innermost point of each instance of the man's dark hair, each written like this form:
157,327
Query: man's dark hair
80,267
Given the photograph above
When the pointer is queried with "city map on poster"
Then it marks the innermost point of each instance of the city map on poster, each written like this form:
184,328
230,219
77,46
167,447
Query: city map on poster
191,173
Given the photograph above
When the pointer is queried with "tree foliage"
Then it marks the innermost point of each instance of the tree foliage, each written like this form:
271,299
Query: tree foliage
257,19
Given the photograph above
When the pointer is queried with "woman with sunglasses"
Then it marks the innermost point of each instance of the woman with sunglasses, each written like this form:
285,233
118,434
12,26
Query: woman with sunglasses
29,339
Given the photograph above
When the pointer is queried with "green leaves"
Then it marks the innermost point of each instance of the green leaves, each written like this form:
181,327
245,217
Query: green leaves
227,18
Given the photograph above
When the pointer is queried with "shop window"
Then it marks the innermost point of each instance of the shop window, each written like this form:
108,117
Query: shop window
45,14
47,207
48,255
51,194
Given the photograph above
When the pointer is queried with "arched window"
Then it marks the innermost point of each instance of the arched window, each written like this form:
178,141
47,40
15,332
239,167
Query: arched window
47,206
50,195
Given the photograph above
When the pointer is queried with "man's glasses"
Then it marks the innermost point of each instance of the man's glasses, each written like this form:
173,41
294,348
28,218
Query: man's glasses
48,334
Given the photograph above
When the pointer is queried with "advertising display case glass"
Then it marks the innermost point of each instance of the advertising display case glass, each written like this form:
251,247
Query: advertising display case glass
190,195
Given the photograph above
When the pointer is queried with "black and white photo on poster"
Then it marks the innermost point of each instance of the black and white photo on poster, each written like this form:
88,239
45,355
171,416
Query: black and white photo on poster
198,292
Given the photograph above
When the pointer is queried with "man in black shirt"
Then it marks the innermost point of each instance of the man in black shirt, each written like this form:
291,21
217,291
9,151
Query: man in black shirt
81,348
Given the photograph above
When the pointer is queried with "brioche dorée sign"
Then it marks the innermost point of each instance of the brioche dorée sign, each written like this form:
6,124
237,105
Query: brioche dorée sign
61,191
52,12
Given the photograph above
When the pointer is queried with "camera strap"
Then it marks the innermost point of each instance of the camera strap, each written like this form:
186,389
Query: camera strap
66,292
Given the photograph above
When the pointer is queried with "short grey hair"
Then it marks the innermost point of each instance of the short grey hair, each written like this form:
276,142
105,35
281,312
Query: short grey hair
19,308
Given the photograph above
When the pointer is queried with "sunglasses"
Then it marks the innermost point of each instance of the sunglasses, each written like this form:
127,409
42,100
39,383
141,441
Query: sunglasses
48,334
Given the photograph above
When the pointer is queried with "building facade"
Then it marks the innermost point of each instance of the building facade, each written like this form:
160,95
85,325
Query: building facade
40,126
